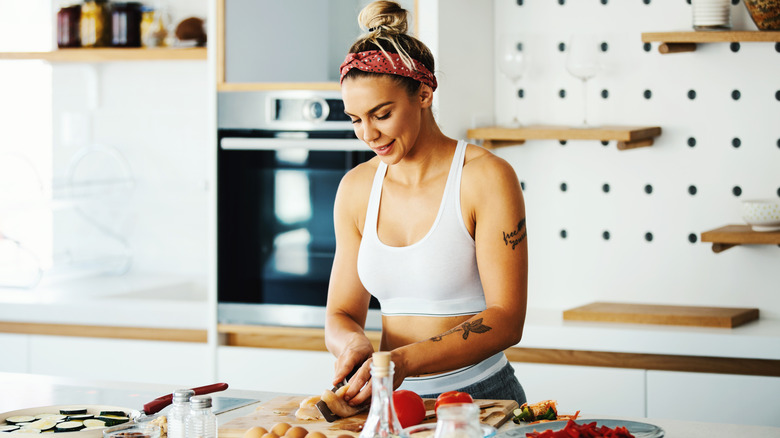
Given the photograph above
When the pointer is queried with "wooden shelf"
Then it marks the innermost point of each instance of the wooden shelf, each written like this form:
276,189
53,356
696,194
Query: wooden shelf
675,42
729,236
110,54
628,137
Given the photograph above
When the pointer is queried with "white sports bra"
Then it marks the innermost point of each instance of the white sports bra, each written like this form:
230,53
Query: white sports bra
436,276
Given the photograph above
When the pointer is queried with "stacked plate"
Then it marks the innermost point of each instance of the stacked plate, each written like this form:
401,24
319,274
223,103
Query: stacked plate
762,214
711,13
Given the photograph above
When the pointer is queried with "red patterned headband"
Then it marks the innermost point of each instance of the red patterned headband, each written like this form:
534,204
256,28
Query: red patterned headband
376,61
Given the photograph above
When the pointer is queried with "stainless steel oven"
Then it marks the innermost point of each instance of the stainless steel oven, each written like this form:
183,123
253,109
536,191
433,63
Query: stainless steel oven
281,156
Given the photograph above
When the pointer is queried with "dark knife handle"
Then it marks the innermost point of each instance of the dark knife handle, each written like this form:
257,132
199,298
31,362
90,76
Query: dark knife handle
159,403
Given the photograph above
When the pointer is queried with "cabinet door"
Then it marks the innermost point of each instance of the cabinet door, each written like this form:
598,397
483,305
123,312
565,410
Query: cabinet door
15,353
719,398
593,391
273,370
184,363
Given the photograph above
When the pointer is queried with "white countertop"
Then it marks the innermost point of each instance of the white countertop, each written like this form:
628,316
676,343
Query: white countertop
175,302
21,391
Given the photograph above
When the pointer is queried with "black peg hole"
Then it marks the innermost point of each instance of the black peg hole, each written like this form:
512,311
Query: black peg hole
562,142
604,46
519,2
691,94
647,2
561,47
778,192
603,2
605,235
605,188
522,185
688,1
692,238
777,47
564,187
648,189
736,94
691,141
647,47
561,2
737,190
648,94
562,93
734,47
692,190
777,95
735,2
563,234
736,142
605,142
520,93
604,93
778,142
649,236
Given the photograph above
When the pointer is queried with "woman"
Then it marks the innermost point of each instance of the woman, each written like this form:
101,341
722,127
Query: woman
434,228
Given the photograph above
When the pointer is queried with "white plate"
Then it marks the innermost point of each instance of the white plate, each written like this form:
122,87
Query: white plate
639,430
91,409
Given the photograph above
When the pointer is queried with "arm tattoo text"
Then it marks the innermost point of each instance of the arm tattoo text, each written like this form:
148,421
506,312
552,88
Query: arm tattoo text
516,236
467,327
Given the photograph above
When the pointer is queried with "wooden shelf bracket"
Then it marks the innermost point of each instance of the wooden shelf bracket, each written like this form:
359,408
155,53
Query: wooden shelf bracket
730,236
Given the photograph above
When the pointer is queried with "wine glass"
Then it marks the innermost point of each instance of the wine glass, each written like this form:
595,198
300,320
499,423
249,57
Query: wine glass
582,62
512,62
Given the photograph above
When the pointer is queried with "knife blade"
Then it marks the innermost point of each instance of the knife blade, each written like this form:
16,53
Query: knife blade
327,414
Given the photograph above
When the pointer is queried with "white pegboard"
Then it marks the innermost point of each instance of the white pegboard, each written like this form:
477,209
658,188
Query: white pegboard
670,269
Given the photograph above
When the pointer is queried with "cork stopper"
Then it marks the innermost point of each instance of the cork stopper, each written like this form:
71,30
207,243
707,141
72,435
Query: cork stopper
380,363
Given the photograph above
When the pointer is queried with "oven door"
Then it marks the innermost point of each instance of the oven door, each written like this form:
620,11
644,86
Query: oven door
275,238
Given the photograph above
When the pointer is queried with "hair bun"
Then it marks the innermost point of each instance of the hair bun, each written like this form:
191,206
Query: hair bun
386,16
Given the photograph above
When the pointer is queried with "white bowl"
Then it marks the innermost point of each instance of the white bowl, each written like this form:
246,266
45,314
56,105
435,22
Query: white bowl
762,214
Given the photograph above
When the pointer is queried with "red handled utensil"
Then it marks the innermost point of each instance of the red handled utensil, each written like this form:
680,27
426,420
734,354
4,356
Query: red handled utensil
159,403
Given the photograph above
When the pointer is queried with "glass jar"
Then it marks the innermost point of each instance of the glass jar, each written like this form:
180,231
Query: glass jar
158,33
126,24
201,422
68,22
147,18
180,410
459,420
95,23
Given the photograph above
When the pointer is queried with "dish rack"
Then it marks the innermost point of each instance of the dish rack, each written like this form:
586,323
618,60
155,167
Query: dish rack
92,198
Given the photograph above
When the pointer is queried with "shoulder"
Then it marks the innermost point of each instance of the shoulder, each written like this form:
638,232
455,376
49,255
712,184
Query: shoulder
355,187
483,169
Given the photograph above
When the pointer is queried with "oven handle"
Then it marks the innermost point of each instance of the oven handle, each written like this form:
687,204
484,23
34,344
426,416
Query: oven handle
271,144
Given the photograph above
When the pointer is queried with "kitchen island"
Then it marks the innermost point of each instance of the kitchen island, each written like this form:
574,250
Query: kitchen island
20,391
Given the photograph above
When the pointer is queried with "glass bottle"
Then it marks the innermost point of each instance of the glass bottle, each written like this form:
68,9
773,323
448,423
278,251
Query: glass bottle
201,423
382,421
68,22
179,412
95,23
126,24
459,420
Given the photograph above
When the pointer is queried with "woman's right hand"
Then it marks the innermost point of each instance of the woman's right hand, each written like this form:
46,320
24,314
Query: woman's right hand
356,356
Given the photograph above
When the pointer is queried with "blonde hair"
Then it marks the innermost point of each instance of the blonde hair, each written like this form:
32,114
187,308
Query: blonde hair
387,25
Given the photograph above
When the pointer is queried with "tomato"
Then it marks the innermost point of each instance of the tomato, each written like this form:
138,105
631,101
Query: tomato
452,397
409,407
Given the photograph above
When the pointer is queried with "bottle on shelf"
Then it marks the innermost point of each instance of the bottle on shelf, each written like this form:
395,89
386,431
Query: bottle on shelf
68,24
382,421
95,23
180,410
201,422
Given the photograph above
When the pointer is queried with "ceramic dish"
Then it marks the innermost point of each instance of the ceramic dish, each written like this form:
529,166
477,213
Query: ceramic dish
762,214
55,409
639,430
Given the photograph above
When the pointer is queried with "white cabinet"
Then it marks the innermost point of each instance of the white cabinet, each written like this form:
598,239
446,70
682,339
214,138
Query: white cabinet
184,363
265,369
591,390
15,352
723,398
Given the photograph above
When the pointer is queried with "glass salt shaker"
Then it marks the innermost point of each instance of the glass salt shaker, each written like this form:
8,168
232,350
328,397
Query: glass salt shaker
201,423
460,420
180,410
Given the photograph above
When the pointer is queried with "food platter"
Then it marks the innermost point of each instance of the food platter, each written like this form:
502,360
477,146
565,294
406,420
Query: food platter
55,409
639,430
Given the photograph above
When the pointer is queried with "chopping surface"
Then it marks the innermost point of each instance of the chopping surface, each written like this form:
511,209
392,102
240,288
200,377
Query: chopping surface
282,410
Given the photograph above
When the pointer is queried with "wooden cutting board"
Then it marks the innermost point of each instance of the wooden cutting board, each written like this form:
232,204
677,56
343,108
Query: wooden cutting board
726,317
282,410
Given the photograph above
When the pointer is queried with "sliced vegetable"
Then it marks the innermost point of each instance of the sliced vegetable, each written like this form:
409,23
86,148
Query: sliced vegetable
42,424
8,428
23,430
114,413
16,419
69,426
79,411
94,423
80,417
113,420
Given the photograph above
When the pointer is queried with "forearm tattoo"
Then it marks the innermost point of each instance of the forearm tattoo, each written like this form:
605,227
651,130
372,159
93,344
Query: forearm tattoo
467,327
516,236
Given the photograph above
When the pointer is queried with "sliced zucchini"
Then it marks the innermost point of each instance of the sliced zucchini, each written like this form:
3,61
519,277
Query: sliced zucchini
69,426
94,423
16,419
113,420
79,411
8,428
42,424
23,430
81,417
114,413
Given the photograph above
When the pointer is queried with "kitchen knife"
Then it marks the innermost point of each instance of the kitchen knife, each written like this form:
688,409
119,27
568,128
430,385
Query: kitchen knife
327,414
159,403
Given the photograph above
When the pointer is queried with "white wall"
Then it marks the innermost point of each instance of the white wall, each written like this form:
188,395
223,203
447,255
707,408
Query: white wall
584,267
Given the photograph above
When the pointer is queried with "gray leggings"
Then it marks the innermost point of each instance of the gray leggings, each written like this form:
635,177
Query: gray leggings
503,385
